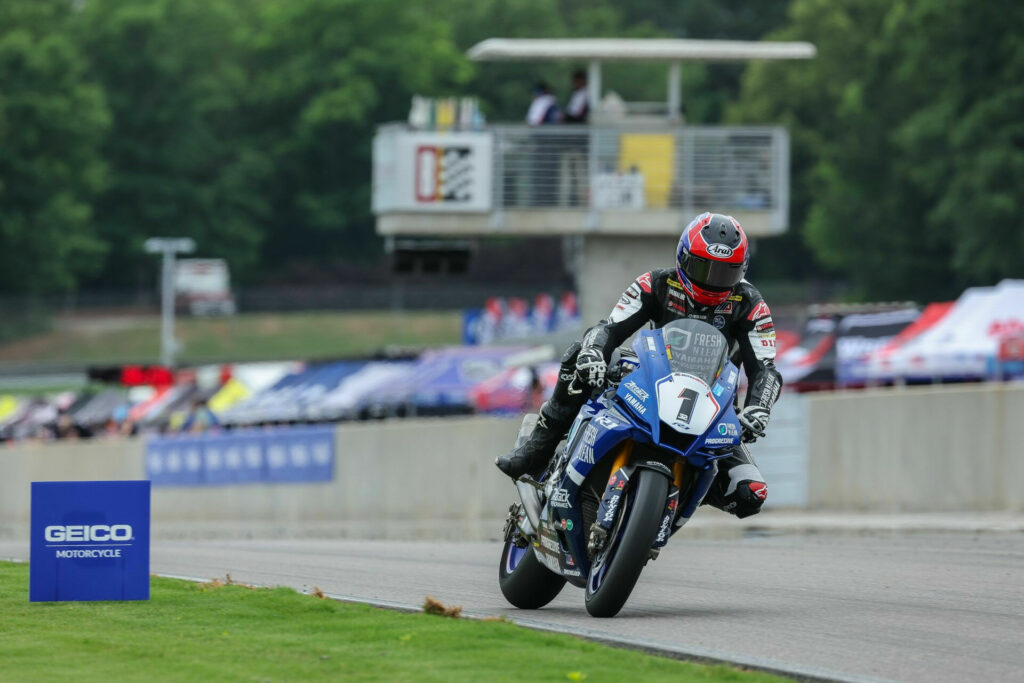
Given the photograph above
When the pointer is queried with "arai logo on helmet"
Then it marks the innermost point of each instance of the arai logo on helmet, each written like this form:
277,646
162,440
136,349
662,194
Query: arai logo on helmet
720,250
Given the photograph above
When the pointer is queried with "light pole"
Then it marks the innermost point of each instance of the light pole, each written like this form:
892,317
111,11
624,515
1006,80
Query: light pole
169,247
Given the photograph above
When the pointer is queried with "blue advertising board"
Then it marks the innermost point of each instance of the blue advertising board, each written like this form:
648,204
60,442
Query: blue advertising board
251,456
90,541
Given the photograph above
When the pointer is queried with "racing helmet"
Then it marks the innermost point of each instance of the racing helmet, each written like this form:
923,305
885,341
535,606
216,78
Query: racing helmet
711,258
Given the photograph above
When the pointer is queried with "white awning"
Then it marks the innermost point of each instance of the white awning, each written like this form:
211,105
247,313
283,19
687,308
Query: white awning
636,49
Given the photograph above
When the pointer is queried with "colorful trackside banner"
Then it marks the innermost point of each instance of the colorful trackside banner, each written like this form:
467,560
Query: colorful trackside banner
90,541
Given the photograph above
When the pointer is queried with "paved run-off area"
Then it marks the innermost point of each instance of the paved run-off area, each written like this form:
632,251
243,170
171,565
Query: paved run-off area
909,607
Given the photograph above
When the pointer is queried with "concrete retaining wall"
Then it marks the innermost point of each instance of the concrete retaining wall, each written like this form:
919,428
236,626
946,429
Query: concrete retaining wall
66,461
782,455
924,449
402,478
943,448
398,479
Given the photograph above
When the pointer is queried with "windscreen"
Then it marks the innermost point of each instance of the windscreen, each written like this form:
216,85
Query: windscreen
695,348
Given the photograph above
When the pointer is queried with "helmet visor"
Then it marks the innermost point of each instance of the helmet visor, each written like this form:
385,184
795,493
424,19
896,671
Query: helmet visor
711,274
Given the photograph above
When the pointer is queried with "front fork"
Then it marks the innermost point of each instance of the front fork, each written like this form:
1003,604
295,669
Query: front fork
612,498
666,529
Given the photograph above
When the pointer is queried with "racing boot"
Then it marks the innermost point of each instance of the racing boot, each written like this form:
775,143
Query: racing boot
533,456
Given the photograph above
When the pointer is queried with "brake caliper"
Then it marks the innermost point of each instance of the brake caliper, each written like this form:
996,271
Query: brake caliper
598,537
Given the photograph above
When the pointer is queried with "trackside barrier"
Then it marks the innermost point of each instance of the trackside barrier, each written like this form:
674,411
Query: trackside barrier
782,455
412,478
279,455
952,448
918,449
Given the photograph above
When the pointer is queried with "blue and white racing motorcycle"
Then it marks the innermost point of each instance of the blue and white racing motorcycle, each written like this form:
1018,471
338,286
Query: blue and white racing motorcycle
639,459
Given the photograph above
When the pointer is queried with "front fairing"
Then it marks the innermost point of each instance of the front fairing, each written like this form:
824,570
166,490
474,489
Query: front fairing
637,411
653,395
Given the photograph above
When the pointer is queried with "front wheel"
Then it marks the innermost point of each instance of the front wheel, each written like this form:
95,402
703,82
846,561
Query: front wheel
617,567
524,581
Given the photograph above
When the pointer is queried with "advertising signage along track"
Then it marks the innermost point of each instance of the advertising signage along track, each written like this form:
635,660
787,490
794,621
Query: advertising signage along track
90,541
249,456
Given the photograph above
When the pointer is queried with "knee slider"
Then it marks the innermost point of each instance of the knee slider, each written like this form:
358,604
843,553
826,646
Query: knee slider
747,499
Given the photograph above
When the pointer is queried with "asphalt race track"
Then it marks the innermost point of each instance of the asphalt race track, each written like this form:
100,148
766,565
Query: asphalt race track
884,606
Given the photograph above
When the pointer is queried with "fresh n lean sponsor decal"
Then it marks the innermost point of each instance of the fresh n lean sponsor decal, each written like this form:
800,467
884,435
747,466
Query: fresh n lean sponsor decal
728,429
586,453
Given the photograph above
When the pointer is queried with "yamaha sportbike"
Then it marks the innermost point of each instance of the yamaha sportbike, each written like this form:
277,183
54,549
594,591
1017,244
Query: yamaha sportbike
639,459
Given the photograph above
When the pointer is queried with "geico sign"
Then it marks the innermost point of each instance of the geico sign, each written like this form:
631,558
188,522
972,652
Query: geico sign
97,532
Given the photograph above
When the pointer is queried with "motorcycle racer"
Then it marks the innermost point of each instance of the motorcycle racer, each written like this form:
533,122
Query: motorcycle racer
706,284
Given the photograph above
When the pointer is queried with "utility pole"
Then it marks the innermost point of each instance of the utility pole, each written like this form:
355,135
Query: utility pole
169,247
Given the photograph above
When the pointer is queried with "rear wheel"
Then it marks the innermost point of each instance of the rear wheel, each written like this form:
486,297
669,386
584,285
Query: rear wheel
616,568
524,581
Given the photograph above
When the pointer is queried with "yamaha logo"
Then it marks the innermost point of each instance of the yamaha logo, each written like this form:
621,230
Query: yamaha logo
720,250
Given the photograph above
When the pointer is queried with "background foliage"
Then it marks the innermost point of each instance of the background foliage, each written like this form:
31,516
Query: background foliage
908,140
247,125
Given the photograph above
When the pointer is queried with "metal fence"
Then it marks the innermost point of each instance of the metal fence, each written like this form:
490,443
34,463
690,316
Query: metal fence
683,169
613,168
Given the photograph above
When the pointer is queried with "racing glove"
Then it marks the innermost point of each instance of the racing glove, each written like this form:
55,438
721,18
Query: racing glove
754,420
591,367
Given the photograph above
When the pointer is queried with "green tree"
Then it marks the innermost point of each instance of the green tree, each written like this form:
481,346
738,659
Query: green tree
907,154
181,165
52,122
962,145
708,88
504,87
325,74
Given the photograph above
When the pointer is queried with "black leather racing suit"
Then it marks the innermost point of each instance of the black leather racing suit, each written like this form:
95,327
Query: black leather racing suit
658,298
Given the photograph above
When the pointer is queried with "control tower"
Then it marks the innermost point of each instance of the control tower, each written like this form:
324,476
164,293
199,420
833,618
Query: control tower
620,188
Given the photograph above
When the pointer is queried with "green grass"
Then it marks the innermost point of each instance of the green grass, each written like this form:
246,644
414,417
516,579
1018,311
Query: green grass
251,336
191,632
